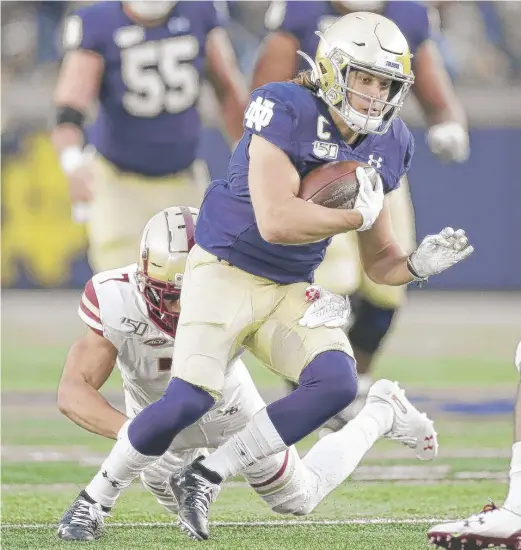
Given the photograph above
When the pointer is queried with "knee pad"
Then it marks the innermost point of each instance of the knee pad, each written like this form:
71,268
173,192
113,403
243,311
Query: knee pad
371,325
152,431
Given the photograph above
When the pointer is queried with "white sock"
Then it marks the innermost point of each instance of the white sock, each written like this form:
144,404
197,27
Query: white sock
117,472
513,500
334,457
257,440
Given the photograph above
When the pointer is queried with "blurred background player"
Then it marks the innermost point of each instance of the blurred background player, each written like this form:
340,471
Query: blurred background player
493,527
131,315
293,26
143,62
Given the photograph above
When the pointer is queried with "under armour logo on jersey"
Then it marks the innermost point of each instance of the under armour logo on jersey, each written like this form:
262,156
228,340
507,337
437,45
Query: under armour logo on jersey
259,113
375,162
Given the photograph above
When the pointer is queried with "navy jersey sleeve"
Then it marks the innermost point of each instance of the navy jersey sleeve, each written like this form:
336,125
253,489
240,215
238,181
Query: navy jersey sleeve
295,18
409,152
413,20
270,115
84,30
217,15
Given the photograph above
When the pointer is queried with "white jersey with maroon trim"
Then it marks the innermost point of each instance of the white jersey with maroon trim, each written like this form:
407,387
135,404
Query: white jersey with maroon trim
113,307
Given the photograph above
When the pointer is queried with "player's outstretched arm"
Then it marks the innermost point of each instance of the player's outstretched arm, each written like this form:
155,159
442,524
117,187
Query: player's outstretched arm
76,90
89,363
382,257
386,263
281,216
227,80
447,136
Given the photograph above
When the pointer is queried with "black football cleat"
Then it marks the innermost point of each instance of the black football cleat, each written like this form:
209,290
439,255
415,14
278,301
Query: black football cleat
84,520
194,488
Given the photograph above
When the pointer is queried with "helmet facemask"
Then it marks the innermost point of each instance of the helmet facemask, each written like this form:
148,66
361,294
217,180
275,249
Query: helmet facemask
339,65
155,294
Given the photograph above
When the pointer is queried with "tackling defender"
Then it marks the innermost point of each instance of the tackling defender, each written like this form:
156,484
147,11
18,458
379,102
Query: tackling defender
131,314
494,526
244,286
292,26
143,62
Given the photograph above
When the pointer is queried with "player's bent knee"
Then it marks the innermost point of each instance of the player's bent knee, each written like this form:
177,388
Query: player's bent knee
196,401
332,376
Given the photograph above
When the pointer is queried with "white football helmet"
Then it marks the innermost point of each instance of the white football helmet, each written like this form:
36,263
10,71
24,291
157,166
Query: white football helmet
368,42
165,243
149,9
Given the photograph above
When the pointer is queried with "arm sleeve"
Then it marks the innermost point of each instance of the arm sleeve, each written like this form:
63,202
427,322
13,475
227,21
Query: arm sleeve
419,26
409,152
218,15
270,116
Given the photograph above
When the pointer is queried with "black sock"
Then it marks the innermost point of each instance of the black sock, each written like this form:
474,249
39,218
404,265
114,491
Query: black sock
210,475
85,496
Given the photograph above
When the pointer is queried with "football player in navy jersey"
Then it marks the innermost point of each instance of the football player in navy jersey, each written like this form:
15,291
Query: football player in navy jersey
258,245
143,62
292,26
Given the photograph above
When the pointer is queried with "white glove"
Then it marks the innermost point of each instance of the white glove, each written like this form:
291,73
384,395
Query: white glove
327,309
437,253
370,198
449,141
517,360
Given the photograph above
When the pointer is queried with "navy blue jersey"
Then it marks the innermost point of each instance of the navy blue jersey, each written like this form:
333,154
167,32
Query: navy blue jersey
295,120
147,122
302,19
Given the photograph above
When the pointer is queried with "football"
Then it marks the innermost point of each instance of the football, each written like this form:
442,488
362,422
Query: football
333,185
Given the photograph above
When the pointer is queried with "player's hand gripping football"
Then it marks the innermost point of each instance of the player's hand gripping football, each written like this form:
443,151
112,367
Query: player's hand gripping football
370,199
449,141
326,309
437,253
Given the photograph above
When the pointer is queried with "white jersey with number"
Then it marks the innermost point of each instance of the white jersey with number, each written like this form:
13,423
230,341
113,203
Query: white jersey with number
113,307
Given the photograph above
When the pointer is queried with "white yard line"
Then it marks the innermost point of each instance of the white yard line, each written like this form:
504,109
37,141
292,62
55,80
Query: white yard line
457,478
273,523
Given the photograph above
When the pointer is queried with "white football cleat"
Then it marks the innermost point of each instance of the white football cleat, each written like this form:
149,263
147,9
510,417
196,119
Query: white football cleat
410,426
493,527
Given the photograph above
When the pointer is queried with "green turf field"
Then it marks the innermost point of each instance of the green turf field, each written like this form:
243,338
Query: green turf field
47,460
